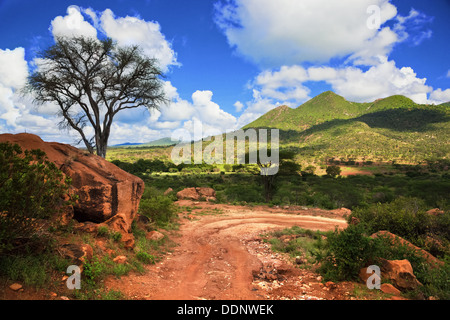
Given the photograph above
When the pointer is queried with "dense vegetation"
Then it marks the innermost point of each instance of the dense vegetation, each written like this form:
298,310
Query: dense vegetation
33,193
32,189
242,184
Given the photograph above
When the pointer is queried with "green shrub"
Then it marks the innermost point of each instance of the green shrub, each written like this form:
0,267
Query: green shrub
333,171
248,193
103,231
405,217
116,236
145,257
93,271
382,194
159,209
436,281
345,252
31,188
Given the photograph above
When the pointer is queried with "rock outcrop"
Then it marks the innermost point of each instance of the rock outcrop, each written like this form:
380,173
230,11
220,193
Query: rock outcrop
400,274
154,235
106,194
397,240
397,272
197,194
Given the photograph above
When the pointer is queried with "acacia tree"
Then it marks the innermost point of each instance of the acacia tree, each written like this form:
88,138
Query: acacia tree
91,81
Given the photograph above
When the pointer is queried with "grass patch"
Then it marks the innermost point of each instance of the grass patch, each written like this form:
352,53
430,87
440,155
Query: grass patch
297,243
36,270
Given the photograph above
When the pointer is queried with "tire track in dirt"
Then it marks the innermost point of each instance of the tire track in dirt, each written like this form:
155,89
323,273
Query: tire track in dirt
211,260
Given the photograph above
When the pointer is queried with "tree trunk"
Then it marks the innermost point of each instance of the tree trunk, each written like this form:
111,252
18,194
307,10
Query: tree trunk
268,182
101,148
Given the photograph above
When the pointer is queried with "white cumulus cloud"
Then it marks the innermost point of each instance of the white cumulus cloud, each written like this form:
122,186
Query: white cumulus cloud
134,31
125,30
72,24
439,96
284,32
201,107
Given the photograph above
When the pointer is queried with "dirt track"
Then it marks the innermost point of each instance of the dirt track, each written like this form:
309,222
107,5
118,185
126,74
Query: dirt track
218,255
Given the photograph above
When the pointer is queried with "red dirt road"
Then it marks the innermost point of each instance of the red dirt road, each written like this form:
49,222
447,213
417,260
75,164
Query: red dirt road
219,253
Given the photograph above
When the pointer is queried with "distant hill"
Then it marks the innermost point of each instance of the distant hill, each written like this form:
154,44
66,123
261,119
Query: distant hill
126,144
157,143
393,128
160,143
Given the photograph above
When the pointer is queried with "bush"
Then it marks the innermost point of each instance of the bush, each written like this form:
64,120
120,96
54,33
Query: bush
405,217
159,209
93,271
31,188
145,257
333,171
345,252
248,193
435,281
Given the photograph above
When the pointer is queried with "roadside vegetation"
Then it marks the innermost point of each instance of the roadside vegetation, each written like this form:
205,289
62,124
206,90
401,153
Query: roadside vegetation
341,254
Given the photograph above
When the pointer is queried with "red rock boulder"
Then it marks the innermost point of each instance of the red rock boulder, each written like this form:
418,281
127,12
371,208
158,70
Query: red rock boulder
400,274
197,194
106,194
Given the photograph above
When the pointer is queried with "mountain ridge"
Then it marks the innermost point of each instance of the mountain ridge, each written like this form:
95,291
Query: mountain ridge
155,143
329,105
393,128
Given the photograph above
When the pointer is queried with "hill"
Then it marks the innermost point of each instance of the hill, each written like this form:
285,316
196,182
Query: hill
156,143
126,144
390,129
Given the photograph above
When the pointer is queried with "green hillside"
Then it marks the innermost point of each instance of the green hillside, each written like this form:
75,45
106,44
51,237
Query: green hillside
325,107
390,129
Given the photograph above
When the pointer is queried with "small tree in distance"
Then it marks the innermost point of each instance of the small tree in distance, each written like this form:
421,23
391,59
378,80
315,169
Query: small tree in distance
91,81
333,171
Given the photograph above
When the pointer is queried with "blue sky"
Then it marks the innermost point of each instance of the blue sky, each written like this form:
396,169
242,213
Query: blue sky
229,61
